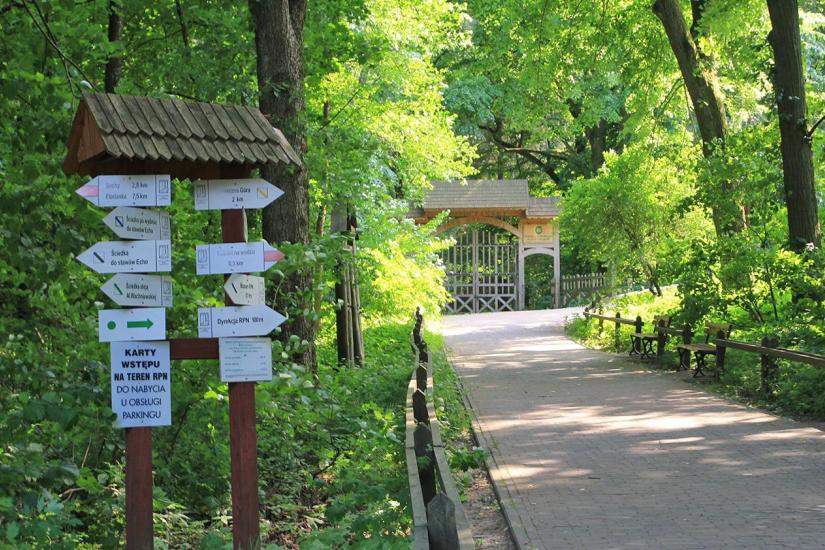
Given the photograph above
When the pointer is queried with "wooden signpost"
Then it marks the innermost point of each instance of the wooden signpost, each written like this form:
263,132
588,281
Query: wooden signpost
140,354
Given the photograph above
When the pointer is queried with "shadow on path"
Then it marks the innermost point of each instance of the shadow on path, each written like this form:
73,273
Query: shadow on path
592,451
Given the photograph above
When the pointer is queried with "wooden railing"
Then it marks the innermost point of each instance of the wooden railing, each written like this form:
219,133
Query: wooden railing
768,350
439,521
578,288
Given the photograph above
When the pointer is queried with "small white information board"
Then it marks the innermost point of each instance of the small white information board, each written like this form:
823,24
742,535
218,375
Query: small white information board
144,190
141,384
129,256
234,194
139,290
245,359
245,290
121,325
229,321
138,223
217,259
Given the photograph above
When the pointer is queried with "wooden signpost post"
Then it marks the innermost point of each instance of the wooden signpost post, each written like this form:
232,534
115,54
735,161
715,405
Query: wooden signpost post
140,352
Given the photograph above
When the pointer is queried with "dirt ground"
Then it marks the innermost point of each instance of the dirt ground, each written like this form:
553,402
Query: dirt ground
489,527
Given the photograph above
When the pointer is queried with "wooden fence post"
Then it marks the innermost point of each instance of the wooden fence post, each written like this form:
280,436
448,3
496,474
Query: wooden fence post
139,531
720,353
243,436
769,367
421,377
617,332
661,337
426,468
419,401
441,525
601,321
687,334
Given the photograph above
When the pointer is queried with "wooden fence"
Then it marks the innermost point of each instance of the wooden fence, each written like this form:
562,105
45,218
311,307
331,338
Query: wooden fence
768,350
580,288
439,521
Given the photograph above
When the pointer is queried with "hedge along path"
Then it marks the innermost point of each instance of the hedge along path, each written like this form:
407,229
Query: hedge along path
588,450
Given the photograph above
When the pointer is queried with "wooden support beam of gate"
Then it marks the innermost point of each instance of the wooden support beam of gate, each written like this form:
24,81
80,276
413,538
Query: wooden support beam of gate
521,285
557,267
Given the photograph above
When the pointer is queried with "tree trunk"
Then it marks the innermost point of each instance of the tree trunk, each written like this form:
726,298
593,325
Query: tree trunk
703,88
597,137
797,158
279,37
114,65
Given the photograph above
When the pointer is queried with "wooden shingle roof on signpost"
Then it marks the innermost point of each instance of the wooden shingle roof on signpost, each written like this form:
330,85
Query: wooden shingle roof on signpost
122,134
485,197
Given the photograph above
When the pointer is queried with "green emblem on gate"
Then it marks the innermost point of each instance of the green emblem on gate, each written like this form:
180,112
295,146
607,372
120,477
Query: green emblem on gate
539,230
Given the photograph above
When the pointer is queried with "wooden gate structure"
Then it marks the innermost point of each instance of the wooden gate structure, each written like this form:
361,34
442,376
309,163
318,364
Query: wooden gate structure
485,269
482,272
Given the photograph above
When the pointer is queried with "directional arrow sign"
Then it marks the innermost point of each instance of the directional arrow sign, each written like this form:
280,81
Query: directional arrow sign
129,256
120,325
139,290
220,322
245,290
234,194
214,259
128,191
137,223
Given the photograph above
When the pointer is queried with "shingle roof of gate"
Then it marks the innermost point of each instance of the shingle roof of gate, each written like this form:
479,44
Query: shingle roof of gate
487,195
168,129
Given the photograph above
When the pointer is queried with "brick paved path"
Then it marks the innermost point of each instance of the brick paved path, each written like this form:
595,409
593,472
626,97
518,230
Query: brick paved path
591,451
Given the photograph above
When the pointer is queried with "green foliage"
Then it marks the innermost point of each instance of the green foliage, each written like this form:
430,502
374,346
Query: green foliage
628,216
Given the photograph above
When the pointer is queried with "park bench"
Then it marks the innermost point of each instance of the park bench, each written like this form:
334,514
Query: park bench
703,350
641,343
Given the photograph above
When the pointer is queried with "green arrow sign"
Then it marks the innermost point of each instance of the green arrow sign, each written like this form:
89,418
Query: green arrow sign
139,324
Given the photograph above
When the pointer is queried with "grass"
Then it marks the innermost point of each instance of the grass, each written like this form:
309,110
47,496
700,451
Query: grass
799,390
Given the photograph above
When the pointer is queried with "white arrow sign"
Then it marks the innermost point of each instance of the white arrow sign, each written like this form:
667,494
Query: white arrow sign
139,290
215,259
245,290
137,223
234,194
120,325
220,322
128,191
129,256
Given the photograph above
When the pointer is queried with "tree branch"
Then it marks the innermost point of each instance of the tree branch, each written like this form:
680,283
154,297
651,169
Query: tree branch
47,33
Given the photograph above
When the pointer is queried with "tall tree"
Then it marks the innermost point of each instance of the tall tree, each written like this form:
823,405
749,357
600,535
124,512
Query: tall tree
279,44
114,65
702,84
797,158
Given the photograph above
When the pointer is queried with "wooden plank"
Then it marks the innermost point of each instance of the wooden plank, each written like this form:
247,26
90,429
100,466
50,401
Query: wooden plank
139,529
211,115
155,125
174,122
189,118
779,353
193,348
255,132
110,113
163,118
131,125
619,320
197,111
419,510
98,113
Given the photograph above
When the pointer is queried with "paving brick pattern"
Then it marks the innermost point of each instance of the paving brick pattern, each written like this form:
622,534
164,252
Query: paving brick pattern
590,450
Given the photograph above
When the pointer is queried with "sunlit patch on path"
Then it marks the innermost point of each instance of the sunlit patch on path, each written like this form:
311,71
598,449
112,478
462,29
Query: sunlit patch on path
591,451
